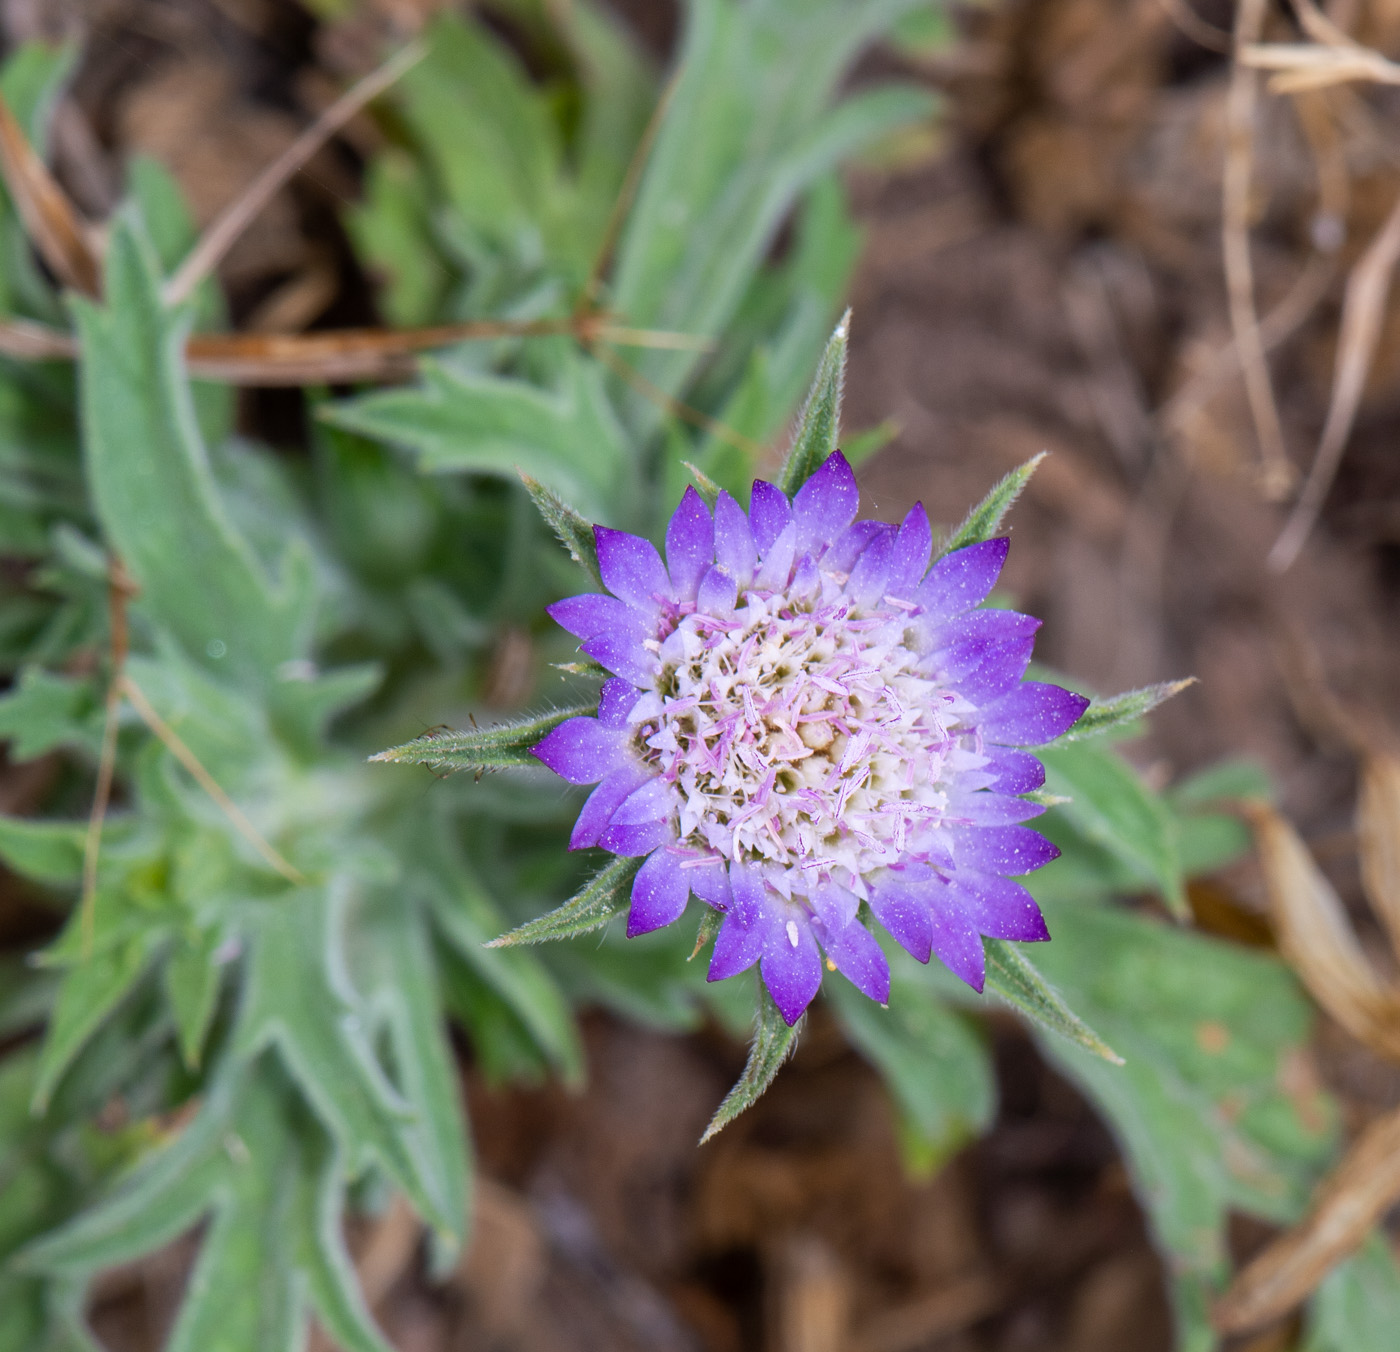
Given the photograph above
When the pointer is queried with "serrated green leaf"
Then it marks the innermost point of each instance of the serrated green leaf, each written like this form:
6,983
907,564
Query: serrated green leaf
1011,976
1118,713
936,1066
152,486
401,987
819,427
297,999
507,746
45,710
985,519
457,420
1111,805
191,979
1202,1105
89,991
605,894
573,532
773,1042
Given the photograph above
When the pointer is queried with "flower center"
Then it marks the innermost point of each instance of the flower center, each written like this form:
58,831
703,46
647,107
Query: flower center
800,736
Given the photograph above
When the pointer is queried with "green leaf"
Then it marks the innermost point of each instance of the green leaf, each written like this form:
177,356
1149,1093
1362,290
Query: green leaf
933,1060
90,990
773,1042
1209,1115
152,486
1118,713
191,978
275,1188
1115,810
985,519
1011,976
296,999
459,420
820,423
48,851
507,746
401,987
1357,1307
605,895
45,710
574,533
749,127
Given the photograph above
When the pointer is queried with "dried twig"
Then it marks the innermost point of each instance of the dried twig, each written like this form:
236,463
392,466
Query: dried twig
220,237
1350,1201
335,356
1277,473
1363,313
176,746
1196,28
54,224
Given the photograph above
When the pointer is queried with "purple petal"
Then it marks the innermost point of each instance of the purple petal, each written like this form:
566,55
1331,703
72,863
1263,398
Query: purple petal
1002,849
1016,771
632,569
962,579
633,840
734,545
603,802
791,966
616,701
770,514
998,907
860,960
992,809
651,802
623,655
592,613
985,653
777,561
898,906
710,883
1031,714
846,549
690,545
740,941
909,557
659,893
826,504
719,592
871,574
955,938
582,750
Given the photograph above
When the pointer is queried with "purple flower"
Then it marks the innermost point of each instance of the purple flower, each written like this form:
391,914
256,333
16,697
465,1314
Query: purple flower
804,718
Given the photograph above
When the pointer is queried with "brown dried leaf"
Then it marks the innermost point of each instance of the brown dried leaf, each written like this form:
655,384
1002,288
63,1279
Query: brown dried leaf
1349,1202
52,221
1378,830
1318,940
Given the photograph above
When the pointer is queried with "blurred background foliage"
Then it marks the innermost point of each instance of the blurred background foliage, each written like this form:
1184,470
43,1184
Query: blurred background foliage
233,1021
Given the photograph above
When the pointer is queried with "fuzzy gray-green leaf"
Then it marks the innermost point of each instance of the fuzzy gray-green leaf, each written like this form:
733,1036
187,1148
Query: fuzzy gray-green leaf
820,424
574,533
606,894
773,1043
1011,976
1119,712
984,520
508,746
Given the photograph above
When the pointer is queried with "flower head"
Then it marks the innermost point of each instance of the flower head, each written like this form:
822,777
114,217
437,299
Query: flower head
804,718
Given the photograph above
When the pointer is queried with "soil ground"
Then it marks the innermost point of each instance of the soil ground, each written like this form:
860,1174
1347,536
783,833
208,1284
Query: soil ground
1051,279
